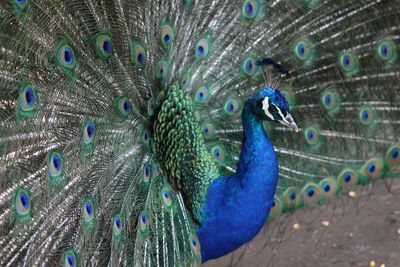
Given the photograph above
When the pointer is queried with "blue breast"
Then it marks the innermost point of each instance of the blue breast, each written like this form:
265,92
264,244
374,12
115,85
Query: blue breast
237,206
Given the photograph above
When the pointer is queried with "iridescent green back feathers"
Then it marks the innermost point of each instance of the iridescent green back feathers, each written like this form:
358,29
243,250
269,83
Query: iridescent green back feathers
181,149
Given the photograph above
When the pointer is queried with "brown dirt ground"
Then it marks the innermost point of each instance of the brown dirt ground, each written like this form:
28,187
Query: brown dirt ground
360,230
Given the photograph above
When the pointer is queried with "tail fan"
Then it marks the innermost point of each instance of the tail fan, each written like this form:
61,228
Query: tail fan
80,81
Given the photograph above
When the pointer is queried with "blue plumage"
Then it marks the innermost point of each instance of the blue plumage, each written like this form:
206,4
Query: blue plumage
237,206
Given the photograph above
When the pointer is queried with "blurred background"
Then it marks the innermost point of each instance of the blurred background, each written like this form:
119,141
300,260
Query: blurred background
358,230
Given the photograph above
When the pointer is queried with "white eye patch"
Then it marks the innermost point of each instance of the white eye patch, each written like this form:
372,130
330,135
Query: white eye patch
265,106
280,113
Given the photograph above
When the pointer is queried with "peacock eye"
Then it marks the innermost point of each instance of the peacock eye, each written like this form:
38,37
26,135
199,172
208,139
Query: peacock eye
272,109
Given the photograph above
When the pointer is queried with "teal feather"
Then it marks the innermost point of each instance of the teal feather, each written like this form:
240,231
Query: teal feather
116,117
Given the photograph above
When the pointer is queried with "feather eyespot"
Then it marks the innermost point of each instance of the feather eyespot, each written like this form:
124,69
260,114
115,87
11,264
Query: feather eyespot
203,47
138,54
208,130
386,51
124,106
145,138
166,197
367,116
291,197
88,211
328,188
330,101
104,46
186,80
117,227
349,63
194,243
55,166
310,194
312,136
143,223
167,34
146,174
232,106
155,169
249,67
161,70
89,131
304,50
218,153
347,179
251,9
22,202
373,168
201,95
69,259
66,57
26,100
393,155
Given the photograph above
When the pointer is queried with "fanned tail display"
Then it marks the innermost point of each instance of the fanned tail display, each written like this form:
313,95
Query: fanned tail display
119,120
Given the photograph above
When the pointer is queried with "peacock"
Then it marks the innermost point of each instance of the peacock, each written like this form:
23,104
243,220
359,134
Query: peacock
167,133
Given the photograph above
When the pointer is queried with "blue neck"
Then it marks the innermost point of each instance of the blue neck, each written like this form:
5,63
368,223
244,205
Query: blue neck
237,206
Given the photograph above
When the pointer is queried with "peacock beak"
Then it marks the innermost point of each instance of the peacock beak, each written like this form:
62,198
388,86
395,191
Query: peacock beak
289,122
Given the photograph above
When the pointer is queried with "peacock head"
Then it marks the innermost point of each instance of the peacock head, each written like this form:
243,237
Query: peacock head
269,104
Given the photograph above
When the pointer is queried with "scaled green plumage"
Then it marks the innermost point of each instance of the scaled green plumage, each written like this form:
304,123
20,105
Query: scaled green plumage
181,149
